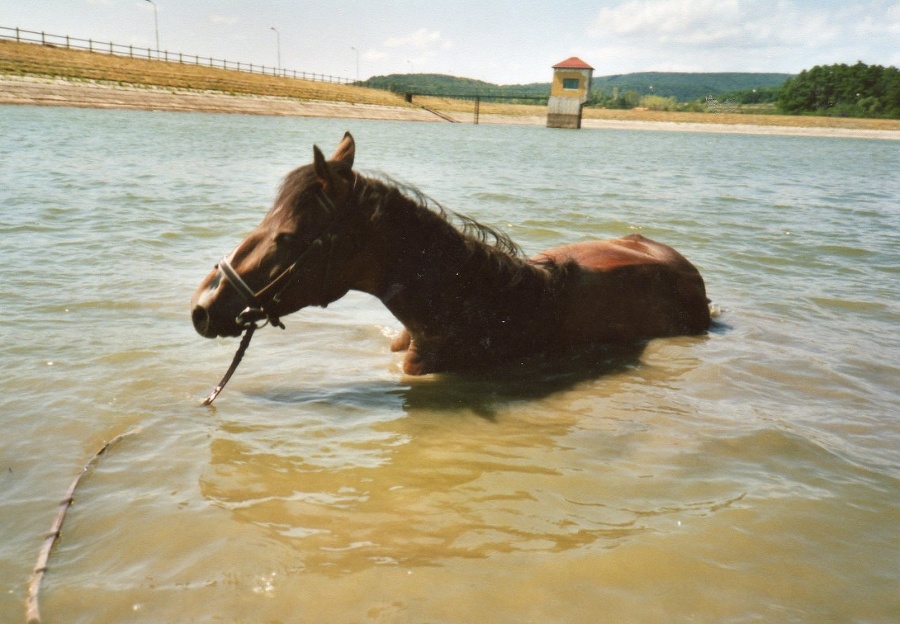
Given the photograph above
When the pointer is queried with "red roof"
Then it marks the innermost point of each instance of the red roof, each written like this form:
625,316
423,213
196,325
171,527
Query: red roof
572,62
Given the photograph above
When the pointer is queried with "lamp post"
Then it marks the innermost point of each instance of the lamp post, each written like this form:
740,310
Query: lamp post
278,44
357,62
156,23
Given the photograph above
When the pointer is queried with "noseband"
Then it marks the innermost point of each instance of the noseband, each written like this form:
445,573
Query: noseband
255,309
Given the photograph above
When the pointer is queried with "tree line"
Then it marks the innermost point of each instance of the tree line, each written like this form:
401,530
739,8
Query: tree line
858,90
843,90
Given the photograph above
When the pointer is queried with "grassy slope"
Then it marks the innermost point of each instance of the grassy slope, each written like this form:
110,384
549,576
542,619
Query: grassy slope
25,59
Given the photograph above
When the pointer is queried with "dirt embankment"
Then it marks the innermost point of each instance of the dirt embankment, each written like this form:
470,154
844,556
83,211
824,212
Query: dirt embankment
59,92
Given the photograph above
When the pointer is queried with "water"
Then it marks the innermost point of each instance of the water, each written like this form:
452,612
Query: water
748,475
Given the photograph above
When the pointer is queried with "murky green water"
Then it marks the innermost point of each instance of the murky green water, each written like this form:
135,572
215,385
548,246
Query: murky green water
749,475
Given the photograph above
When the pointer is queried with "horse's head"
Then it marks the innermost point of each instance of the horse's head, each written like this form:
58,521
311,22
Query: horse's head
298,256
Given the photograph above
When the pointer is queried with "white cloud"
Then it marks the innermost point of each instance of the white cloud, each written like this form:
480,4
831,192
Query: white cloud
735,35
421,39
638,18
887,24
710,23
226,20
375,56
415,51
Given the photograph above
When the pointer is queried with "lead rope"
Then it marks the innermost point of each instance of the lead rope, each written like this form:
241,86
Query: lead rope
238,356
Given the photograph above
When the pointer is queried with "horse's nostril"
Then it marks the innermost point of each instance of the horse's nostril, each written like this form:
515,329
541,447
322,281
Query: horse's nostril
200,317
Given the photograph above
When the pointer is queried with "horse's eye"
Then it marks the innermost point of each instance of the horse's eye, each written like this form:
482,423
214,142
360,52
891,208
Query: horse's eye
286,239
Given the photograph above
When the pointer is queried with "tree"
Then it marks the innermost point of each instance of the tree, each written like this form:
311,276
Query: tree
859,91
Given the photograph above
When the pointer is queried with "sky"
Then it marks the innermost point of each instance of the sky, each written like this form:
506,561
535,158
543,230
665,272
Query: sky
500,41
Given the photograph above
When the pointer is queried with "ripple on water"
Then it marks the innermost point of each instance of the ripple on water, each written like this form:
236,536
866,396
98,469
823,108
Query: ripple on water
760,459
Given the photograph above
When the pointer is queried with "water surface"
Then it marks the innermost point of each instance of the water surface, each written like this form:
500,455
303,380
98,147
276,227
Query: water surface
747,475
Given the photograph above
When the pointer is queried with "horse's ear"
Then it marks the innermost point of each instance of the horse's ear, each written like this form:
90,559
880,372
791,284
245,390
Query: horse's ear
345,151
321,168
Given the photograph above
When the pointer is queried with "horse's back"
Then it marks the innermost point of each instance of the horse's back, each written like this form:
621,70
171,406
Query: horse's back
627,289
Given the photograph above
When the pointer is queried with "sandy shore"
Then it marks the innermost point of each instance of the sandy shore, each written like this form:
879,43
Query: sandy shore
58,92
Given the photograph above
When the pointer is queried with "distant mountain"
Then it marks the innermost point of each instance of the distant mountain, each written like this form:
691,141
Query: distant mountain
683,87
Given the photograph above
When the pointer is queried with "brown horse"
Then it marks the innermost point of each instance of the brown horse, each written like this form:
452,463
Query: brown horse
464,294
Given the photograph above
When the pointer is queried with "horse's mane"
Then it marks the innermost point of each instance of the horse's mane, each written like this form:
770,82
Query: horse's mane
384,190
483,244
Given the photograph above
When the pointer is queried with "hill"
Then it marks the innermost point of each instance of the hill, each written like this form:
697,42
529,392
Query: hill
684,87
445,85
31,59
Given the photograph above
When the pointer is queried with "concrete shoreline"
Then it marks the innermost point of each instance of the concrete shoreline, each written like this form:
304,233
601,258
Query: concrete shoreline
33,91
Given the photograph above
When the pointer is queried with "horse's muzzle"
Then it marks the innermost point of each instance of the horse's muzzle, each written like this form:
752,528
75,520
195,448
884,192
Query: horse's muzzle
207,326
200,318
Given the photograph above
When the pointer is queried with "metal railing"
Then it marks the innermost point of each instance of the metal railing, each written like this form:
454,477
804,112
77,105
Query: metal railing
104,47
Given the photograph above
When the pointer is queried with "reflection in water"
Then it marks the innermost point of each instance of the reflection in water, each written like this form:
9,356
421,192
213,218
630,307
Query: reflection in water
441,468
486,391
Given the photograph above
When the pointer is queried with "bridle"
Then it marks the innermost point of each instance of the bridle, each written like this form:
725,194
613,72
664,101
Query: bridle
259,303
257,308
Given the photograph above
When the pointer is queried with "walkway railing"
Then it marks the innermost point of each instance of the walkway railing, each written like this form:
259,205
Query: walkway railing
117,49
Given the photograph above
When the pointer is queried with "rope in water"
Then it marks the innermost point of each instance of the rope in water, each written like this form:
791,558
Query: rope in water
32,608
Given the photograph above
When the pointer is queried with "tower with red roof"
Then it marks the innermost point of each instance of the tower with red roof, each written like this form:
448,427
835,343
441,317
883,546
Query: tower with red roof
569,91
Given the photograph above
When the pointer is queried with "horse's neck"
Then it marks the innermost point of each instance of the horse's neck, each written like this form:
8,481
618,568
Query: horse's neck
443,285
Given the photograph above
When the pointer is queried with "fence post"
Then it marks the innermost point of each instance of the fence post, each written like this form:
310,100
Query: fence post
43,41
17,34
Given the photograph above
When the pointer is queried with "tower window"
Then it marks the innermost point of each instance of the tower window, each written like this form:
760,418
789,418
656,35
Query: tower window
571,83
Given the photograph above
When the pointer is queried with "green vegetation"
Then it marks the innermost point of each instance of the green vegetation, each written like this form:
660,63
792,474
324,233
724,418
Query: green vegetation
621,92
684,87
444,85
845,91
658,103
761,95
